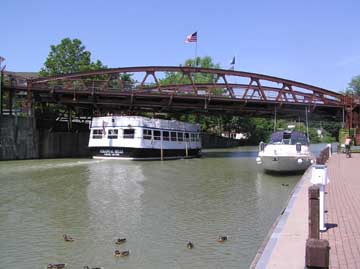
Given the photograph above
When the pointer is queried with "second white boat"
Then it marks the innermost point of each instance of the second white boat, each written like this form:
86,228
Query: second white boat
287,151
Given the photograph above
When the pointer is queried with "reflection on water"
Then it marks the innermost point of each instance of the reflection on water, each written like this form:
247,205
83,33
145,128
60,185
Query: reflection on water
157,206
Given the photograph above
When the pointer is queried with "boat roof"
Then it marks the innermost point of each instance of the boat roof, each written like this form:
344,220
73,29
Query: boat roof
139,121
295,136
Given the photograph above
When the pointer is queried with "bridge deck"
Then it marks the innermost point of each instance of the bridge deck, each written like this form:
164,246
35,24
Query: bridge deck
190,90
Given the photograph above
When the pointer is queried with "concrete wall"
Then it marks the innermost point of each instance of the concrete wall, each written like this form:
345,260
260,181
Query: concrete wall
213,141
63,144
18,140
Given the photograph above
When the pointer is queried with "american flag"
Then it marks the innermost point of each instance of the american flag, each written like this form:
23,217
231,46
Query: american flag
191,38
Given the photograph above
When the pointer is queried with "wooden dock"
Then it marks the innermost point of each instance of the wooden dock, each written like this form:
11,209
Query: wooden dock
342,203
285,246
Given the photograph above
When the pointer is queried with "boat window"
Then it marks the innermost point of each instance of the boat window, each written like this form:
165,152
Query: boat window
286,138
97,134
173,136
129,133
276,138
187,137
297,137
193,138
198,137
157,135
113,134
147,134
180,136
165,136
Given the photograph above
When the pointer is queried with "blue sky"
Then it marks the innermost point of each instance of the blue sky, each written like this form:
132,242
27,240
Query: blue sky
312,41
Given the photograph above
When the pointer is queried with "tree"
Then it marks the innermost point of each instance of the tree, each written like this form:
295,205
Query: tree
354,85
68,57
177,78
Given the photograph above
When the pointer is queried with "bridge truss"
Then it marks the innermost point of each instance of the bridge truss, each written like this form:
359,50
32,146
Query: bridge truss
197,90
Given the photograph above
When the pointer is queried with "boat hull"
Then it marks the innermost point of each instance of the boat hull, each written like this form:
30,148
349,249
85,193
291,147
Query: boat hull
285,163
142,153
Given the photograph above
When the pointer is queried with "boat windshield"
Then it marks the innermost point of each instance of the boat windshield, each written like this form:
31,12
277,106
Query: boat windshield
288,138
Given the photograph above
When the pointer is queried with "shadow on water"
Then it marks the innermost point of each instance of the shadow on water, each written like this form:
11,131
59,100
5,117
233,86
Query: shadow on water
283,173
229,154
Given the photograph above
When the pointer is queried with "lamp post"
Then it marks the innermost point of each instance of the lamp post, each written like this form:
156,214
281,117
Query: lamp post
1,82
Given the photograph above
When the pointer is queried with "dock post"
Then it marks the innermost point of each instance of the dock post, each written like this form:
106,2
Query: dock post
314,218
317,250
317,253
186,150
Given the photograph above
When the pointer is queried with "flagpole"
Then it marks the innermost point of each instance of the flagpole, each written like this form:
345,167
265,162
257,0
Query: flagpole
193,38
196,47
195,50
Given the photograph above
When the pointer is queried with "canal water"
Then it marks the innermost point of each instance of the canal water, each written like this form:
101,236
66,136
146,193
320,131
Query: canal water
157,206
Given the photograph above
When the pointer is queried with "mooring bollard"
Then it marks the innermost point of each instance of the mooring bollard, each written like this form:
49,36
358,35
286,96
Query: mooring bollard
317,250
314,204
317,253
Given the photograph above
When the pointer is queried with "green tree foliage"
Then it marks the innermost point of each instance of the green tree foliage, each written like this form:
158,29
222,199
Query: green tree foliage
68,57
208,123
354,85
177,78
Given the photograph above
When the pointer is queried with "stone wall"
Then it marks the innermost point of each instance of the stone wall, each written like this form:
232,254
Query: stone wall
18,140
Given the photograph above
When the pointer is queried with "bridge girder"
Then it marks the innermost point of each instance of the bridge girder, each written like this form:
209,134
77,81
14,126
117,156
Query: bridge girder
226,91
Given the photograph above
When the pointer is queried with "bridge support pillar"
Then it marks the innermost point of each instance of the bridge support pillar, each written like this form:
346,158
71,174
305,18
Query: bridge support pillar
29,98
349,117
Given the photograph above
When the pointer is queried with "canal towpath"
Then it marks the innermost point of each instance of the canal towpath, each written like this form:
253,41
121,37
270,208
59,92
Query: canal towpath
342,203
285,246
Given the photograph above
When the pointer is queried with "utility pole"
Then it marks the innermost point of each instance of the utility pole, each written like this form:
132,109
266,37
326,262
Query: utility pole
1,83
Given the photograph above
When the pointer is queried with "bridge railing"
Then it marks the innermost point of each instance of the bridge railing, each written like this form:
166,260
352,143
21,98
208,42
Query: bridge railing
216,84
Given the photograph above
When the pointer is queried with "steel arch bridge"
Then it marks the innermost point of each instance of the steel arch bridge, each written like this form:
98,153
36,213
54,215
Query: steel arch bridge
219,91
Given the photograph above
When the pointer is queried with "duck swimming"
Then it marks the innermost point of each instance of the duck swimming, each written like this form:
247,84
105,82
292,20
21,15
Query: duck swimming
68,238
56,266
120,241
124,253
222,238
190,245
87,267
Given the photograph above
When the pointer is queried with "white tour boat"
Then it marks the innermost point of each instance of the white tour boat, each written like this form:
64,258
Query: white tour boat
287,151
141,138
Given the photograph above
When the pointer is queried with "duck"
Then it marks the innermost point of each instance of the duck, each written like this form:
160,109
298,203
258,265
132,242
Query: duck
120,241
56,265
222,238
68,238
190,245
88,267
285,185
124,253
